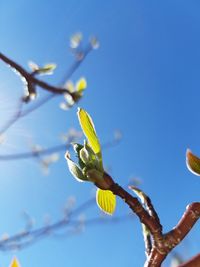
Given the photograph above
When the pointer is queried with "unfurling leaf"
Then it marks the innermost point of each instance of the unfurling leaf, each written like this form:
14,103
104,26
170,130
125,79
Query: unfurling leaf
193,163
47,69
74,169
15,263
81,85
89,131
106,201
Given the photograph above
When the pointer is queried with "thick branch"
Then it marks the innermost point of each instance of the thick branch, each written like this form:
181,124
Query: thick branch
155,258
175,236
189,218
162,243
193,262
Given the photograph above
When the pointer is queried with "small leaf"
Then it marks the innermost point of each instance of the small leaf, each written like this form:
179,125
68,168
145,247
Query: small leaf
106,201
74,169
81,85
15,263
193,163
89,130
47,69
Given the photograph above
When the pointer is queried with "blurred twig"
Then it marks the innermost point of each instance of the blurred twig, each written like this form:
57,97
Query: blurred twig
29,79
49,150
72,226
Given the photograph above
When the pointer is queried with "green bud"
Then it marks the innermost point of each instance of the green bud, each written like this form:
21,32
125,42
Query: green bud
75,170
85,155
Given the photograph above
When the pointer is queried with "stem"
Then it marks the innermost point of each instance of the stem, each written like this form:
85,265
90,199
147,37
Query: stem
152,224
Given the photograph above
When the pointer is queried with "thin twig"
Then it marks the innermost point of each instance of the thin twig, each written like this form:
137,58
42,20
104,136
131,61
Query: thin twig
49,150
13,119
26,238
30,79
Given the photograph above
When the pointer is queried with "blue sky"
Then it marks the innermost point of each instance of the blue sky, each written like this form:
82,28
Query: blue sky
144,80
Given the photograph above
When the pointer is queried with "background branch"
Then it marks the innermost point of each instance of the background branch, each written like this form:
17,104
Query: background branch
72,226
49,150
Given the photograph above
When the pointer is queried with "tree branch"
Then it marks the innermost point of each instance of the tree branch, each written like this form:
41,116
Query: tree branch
49,150
73,226
30,78
162,243
152,224
193,262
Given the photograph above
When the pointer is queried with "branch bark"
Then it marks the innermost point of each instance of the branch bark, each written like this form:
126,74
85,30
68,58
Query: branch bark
162,243
193,262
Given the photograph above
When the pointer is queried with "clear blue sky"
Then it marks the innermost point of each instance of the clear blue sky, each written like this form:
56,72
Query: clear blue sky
144,80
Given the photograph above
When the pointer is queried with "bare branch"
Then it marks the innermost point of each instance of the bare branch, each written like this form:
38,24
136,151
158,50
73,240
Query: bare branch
49,150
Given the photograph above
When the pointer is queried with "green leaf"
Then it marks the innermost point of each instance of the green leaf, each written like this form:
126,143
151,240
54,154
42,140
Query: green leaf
89,131
81,85
47,69
74,169
193,163
106,201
